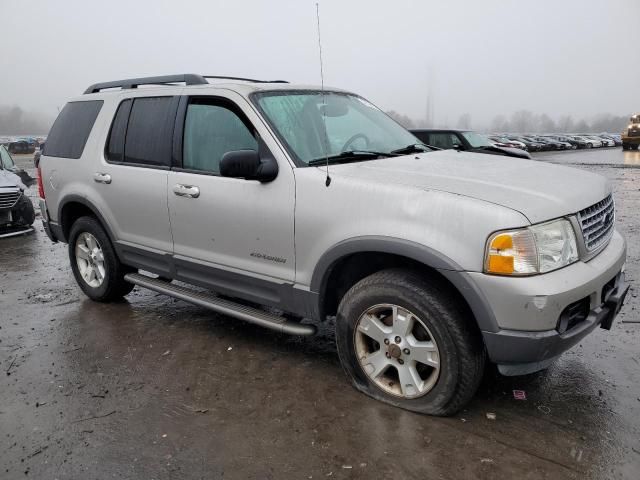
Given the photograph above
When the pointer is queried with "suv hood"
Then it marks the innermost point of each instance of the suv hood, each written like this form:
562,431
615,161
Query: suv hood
540,191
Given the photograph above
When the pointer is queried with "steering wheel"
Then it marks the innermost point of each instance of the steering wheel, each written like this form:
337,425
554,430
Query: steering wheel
353,139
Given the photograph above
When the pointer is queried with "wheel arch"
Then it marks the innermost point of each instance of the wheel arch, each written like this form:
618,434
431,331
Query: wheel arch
73,207
373,253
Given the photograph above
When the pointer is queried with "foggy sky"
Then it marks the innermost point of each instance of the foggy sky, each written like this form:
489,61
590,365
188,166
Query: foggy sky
483,57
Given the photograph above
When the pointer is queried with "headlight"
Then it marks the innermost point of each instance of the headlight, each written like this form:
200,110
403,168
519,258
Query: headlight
537,249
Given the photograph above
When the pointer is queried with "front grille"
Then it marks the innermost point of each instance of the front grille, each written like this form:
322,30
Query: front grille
597,222
9,199
634,133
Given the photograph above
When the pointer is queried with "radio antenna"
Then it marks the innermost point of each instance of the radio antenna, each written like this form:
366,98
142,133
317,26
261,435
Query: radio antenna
324,120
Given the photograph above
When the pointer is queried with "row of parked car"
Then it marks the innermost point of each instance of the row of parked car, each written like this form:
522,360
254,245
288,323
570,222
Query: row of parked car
21,145
512,145
540,143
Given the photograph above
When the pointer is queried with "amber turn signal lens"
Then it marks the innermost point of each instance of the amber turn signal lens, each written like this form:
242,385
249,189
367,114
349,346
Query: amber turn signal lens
501,254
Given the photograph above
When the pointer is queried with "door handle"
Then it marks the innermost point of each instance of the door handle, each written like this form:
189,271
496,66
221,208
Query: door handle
102,178
189,191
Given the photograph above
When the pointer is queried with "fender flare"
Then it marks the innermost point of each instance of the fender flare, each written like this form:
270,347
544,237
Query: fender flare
427,256
83,201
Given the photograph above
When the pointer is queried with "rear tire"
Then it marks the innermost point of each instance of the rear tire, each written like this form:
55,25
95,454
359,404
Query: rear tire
400,371
94,262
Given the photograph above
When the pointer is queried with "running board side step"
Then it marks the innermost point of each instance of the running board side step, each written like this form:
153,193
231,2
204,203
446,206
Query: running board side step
225,307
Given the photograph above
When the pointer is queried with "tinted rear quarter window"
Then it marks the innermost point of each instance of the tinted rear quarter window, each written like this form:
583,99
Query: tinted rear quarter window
149,132
115,144
70,131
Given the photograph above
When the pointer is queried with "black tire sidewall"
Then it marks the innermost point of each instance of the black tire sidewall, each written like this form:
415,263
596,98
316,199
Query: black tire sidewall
433,314
112,279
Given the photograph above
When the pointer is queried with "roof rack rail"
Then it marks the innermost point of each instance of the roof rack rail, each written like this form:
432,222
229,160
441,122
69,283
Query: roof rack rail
188,79
252,80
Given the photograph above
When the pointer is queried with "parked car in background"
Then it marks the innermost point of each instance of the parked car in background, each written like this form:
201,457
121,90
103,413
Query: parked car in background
591,143
616,138
21,147
531,145
8,164
16,210
564,144
608,141
601,141
551,144
542,146
579,143
507,142
575,144
466,141
604,142
616,141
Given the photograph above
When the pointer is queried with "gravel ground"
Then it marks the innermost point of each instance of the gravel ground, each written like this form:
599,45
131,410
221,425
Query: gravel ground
160,389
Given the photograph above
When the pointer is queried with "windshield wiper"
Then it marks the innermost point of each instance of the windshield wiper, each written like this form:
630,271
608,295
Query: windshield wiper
349,156
413,148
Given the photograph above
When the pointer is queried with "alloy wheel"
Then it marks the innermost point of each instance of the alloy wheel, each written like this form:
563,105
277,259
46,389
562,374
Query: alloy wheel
90,259
397,351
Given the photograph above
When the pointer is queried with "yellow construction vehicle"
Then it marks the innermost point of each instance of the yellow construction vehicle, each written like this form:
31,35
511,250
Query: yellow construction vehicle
631,135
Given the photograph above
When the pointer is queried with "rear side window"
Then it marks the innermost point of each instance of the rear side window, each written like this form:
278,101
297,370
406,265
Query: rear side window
150,132
70,131
115,144
142,131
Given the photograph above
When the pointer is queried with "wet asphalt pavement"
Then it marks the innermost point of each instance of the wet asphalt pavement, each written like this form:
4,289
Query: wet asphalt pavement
159,389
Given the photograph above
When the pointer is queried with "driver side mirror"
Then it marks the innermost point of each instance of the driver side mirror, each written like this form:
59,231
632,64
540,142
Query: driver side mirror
247,164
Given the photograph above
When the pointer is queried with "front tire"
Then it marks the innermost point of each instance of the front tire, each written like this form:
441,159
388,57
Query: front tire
407,341
94,262
23,212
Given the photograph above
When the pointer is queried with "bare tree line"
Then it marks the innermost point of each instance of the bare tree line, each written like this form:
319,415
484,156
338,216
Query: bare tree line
530,122
15,121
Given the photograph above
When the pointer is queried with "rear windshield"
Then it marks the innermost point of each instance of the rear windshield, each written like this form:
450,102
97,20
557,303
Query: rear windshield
71,129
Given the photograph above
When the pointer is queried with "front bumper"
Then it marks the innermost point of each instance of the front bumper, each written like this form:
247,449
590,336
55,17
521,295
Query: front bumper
18,217
528,310
519,353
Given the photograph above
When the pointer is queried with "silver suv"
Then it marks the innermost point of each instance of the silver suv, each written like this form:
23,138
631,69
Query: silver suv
290,202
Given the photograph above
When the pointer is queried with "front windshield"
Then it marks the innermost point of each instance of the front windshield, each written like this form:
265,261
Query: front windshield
352,124
476,140
5,159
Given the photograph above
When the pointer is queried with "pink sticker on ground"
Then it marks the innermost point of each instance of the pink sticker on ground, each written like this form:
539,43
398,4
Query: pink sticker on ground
519,395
